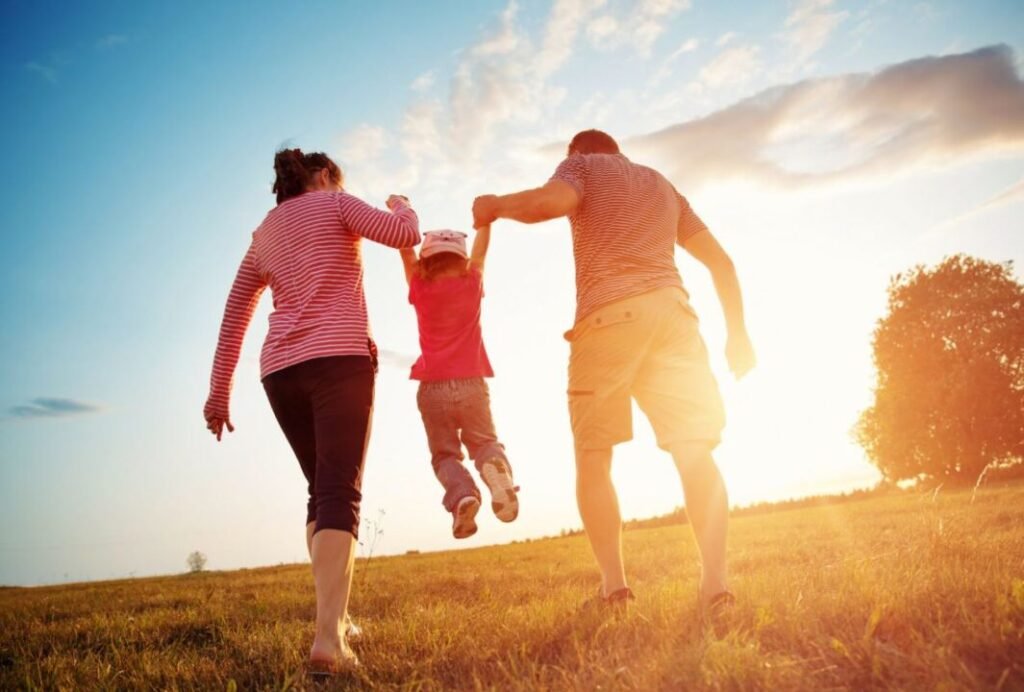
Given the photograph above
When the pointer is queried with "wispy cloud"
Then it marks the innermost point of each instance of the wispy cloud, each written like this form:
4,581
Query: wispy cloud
1014,193
48,407
111,41
364,143
1011,194
424,82
725,38
733,66
664,71
502,80
46,72
639,24
808,28
933,110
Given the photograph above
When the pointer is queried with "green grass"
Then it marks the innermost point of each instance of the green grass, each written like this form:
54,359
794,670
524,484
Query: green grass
904,591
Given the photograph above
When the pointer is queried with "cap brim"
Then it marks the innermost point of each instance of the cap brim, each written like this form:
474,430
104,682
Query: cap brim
438,248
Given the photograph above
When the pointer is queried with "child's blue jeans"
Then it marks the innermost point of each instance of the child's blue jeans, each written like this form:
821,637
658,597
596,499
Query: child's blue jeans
457,413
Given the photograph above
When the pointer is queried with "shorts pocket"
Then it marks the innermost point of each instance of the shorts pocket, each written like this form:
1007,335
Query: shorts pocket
610,318
602,319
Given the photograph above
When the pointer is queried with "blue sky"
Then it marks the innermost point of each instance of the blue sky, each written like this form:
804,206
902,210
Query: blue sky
139,142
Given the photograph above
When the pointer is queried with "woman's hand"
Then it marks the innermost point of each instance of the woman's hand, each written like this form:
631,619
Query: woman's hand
396,201
216,426
217,419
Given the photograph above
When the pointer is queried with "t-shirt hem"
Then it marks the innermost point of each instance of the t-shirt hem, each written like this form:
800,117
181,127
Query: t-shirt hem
266,371
454,376
677,283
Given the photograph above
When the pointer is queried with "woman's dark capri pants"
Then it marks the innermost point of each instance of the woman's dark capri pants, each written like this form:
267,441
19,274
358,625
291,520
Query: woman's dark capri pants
324,406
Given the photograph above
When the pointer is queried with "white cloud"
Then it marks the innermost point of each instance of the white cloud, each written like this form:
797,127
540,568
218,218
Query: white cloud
1011,194
506,39
52,407
639,25
854,127
492,89
725,38
563,25
364,143
808,28
731,67
111,41
424,82
665,69
500,83
688,46
601,30
47,72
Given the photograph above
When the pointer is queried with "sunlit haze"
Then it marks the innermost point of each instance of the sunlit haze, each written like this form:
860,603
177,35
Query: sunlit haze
827,144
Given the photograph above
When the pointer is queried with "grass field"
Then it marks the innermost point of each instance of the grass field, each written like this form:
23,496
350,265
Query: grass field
905,591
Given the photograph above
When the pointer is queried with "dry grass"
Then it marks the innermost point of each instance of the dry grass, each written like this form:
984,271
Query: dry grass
905,592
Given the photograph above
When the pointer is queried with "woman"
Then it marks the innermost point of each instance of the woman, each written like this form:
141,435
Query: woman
318,361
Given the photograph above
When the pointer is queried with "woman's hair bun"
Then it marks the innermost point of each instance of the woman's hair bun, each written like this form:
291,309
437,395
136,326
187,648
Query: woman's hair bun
291,174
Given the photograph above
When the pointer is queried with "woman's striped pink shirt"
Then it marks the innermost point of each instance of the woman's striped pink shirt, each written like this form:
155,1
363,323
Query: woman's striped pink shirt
307,250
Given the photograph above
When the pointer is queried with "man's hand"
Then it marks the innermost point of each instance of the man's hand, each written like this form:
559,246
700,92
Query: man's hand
740,354
485,210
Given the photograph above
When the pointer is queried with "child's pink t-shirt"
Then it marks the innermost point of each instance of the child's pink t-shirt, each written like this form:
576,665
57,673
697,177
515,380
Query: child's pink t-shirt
448,313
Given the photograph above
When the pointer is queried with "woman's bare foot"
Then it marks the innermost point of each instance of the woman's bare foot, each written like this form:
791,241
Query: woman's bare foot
333,656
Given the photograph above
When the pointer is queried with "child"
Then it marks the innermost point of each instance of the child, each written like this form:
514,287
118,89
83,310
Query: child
445,287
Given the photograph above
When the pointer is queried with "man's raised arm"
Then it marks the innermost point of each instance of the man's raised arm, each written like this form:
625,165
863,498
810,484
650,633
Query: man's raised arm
557,198
738,349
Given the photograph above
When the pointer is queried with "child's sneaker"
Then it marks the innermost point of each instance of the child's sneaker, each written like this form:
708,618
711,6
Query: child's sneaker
464,517
498,477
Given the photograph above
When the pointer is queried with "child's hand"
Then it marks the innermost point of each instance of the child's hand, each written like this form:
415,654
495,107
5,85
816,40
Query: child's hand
485,210
397,201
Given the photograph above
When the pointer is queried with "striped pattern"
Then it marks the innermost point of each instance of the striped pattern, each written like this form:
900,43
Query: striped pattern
624,230
307,251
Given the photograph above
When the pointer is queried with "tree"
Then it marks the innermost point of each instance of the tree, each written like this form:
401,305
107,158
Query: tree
949,400
196,561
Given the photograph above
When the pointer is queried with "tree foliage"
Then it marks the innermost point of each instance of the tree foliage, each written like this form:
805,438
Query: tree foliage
949,400
196,561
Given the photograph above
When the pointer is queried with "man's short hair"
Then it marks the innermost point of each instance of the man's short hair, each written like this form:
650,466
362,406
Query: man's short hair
593,142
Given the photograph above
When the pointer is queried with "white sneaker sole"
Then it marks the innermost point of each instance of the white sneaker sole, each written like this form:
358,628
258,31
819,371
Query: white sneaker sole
504,501
465,517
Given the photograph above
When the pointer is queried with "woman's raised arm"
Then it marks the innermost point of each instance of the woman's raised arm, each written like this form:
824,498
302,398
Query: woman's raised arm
398,228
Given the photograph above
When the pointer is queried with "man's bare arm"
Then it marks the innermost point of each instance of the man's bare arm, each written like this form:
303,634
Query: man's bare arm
738,350
555,199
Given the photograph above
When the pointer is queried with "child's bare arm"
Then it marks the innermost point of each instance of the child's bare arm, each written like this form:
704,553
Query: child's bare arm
480,244
409,261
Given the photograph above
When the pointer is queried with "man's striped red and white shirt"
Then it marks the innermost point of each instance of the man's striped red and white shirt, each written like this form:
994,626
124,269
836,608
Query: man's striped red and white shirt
625,228
307,251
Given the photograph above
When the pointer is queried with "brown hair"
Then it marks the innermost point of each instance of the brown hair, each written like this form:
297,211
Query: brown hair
441,263
294,170
593,142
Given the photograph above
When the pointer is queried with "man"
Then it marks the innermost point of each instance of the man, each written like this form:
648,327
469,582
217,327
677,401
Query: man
636,336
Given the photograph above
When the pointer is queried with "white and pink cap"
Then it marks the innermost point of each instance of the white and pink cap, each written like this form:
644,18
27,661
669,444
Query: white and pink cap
436,242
